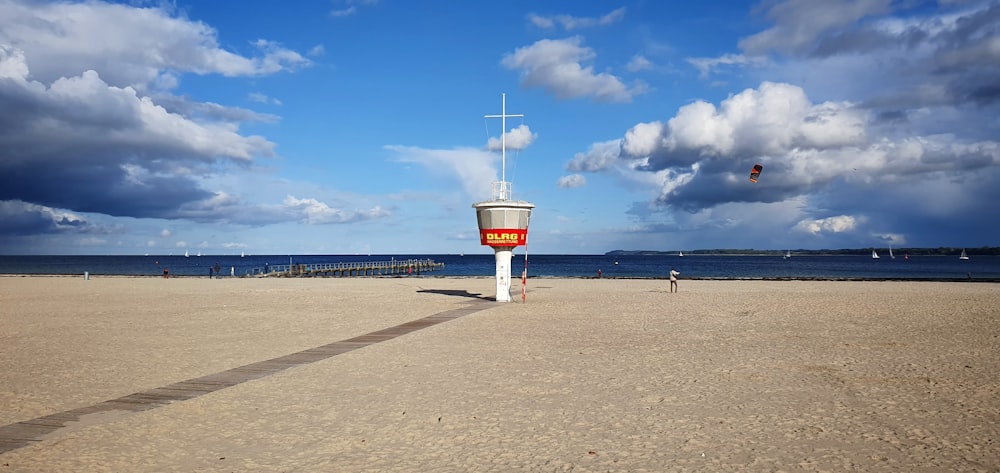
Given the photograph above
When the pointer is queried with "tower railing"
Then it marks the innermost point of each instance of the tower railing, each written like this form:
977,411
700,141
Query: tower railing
501,190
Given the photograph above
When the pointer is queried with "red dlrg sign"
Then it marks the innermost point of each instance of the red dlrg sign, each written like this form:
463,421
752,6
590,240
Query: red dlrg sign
503,237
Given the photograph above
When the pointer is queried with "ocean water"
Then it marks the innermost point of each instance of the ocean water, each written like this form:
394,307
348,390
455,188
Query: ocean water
979,268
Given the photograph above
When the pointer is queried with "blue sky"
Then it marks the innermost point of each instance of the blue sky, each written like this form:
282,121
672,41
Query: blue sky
347,127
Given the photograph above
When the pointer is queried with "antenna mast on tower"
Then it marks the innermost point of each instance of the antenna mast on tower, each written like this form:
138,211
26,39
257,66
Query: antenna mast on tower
501,189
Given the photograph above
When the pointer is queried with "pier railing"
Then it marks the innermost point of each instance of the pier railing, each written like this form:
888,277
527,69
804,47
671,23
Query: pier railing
357,268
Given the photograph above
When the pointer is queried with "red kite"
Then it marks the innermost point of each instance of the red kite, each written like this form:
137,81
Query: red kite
755,173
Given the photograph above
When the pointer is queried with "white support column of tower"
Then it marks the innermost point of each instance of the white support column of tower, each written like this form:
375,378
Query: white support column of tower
503,223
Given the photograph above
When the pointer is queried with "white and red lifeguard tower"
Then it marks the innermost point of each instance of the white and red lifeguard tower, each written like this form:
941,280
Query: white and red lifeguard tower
503,222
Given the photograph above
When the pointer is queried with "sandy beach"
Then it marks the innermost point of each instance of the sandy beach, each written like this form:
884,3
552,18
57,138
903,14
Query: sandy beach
586,375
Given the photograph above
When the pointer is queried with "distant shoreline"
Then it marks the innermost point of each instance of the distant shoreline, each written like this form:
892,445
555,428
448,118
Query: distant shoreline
431,276
939,251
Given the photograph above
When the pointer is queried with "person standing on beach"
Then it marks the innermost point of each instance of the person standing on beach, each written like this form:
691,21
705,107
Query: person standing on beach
673,279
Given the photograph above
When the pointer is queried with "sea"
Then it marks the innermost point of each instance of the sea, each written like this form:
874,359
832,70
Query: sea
699,266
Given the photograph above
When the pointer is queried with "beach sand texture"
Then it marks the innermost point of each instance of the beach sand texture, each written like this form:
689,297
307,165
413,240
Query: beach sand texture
588,375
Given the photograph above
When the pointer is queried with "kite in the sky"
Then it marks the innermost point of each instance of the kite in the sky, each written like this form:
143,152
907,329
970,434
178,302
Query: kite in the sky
755,172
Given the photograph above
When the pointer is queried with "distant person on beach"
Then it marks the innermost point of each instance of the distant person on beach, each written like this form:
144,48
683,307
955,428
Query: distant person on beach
218,271
673,279
599,274
166,273
209,272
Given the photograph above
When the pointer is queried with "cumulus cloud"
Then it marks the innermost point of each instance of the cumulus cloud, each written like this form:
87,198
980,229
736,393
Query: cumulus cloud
571,181
824,152
558,67
90,125
837,224
314,212
569,22
772,120
600,157
83,144
130,46
516,139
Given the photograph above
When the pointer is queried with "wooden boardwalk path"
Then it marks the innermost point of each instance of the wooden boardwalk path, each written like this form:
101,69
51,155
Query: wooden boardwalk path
22,434
359,268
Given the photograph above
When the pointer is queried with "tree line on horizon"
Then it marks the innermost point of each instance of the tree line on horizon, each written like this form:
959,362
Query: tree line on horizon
939,251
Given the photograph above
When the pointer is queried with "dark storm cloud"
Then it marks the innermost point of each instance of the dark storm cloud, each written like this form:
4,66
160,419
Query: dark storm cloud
912,140
98,188
84,145
23,219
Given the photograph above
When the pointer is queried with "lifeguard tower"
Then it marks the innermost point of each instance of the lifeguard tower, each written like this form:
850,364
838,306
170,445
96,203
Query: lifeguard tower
503,223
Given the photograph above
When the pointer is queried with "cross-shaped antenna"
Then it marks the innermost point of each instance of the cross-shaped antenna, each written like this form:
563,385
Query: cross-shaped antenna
503,146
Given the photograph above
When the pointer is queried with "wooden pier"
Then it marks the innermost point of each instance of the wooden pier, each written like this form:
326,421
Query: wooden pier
358,268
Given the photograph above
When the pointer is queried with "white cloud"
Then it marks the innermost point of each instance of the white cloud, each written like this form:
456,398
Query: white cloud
706,65
569,22
130,46
643,139
558,67
571,181
314,212
638,63
344,12
317,50
516,139
87,98
600,157
350,7
773,119
838,224
261,98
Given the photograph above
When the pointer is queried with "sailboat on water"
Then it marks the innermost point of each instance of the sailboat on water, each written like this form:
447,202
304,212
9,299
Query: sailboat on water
891,256
874,254
788,254
186,255
964,256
